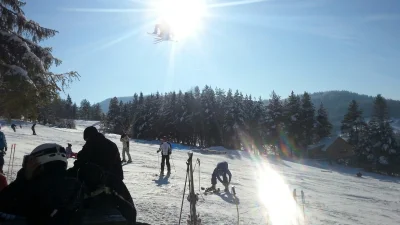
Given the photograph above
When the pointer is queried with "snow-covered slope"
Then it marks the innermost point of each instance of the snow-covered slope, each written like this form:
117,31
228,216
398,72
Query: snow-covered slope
333,194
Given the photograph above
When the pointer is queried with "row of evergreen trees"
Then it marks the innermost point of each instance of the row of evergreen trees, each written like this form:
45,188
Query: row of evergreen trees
214,117
60,109
374,140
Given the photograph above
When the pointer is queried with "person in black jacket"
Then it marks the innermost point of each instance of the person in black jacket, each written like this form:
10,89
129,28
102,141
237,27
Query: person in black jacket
100,151
33,129
13,126
99,158
42,192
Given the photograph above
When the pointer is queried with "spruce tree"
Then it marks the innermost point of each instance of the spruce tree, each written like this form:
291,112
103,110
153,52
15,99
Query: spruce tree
292,113
355,129
113,115
74,111
68,108
85,110
307,118
323,126
381,134
229,120
96,113
26,82
274,118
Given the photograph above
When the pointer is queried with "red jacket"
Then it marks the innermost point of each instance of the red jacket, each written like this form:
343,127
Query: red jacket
3,182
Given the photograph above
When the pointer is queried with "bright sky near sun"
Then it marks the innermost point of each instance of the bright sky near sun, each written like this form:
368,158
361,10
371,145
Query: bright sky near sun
255,46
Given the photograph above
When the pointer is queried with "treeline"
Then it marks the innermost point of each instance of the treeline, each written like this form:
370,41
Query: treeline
374,140
62,112
214,117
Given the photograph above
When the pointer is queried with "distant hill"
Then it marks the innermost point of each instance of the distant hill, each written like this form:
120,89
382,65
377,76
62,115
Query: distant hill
105,103
336,102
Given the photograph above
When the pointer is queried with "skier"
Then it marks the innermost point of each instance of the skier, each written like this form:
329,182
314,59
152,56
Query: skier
70,153
221,170
3,146
163,32
33,128
42,192
125,147
166,150
13,126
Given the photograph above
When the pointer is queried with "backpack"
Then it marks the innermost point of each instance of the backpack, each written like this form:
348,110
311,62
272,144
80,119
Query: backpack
92,176
56,201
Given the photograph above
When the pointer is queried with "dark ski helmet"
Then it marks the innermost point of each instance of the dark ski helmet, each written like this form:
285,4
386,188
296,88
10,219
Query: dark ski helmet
50,153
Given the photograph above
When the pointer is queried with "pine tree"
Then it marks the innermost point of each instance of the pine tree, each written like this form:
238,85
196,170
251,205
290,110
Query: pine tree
323,126
354,127
307,118
209,128
257,124
381,134
26,82
292,120
74,111
229,120
274,119
85,110
68,108
96,113
113,114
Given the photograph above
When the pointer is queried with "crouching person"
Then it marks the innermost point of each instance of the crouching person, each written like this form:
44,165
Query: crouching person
221,171
42,192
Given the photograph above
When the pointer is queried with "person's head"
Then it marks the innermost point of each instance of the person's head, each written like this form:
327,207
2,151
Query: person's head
69,145
89,132
51,157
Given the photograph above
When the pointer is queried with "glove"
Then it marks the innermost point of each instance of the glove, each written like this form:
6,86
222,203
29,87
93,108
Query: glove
6,148
158,150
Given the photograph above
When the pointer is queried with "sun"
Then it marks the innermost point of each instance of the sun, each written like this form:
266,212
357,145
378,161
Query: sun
183,16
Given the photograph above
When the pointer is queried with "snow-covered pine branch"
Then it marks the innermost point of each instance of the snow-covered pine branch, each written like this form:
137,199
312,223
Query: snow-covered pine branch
24,64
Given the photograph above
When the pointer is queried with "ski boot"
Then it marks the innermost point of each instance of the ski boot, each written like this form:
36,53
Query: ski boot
226,185
211,189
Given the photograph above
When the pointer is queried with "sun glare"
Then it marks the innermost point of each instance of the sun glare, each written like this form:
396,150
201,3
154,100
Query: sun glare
183,16
275,195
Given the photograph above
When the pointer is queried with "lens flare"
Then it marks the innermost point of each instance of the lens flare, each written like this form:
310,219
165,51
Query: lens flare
277,198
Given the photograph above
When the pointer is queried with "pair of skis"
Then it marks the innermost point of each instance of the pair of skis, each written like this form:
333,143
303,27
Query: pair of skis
158,39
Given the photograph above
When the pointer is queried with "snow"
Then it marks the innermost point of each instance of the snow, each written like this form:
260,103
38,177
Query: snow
333,194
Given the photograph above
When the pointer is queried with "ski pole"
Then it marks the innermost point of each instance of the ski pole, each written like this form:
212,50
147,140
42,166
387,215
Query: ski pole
304,202
9,163
183,196
173,164
12,165
158,160
236,201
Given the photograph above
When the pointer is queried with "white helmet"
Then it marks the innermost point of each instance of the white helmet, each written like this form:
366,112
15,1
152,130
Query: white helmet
50,152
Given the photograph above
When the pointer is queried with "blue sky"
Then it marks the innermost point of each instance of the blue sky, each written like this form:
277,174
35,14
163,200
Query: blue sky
281,45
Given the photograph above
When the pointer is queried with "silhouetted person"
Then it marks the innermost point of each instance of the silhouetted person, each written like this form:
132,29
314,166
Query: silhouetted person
33,128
